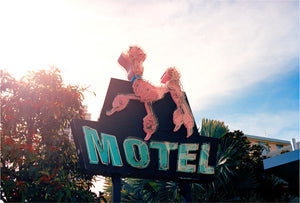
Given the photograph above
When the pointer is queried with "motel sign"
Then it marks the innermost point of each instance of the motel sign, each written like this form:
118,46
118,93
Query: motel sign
118,144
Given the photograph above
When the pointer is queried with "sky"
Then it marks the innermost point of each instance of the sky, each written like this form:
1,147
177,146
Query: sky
239,60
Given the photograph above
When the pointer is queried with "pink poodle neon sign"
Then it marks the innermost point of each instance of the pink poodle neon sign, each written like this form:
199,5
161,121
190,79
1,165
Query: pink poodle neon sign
146,93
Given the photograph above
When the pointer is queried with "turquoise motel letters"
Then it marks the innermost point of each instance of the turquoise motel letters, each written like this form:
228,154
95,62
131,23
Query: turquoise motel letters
104,150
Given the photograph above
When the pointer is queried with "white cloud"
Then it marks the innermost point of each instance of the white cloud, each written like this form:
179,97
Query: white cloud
219,47
281,125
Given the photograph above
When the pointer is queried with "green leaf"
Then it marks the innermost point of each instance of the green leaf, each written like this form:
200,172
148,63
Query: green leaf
213,128
46,173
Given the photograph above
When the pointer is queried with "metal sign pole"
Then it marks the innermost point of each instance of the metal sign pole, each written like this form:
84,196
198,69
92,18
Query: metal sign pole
185,191
116,188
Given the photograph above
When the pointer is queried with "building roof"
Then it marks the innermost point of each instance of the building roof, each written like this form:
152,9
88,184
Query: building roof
268,139
285,166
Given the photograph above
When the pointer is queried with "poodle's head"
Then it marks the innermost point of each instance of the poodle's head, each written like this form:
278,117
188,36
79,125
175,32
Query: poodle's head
132,61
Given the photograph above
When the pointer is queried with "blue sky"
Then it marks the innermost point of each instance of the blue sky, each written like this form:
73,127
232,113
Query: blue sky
277,96
239,60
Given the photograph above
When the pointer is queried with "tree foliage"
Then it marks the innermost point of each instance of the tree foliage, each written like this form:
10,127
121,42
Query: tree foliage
213,128
38,162
239,175
235,174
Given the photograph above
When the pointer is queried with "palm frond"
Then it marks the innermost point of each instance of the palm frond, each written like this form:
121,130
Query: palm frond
213,128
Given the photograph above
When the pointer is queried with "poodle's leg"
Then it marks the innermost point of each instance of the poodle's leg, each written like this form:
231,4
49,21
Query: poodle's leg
177,119
150,122
120,102
183,115
188,119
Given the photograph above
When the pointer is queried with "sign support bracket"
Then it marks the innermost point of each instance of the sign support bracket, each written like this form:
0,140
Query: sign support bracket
185,191
116,188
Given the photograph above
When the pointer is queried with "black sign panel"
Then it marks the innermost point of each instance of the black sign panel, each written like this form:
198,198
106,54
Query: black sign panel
115,144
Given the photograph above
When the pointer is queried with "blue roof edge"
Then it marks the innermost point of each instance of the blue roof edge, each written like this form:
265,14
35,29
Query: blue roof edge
281,159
